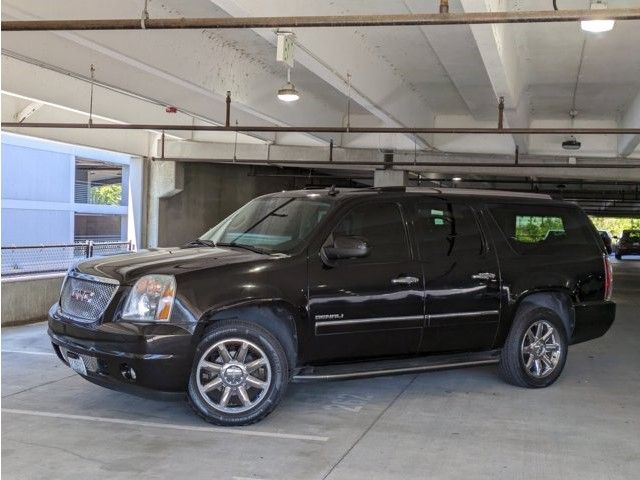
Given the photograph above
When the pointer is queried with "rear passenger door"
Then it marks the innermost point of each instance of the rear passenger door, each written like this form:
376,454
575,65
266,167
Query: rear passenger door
462,279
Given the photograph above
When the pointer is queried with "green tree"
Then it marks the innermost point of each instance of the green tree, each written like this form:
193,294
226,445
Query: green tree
107,194
615,225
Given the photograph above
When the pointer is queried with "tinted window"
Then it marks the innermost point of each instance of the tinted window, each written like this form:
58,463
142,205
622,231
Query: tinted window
543,230
446,229
382,226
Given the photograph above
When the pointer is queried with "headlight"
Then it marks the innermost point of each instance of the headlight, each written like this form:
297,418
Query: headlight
151,299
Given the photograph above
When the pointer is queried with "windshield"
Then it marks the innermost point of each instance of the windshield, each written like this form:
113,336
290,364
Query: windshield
271,224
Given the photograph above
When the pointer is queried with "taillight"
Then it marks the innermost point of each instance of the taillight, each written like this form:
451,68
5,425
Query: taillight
608,278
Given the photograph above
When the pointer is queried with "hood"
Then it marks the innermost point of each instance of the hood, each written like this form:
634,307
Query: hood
127,268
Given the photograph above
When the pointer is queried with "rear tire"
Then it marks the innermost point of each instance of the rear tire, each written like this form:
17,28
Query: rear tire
239,375
535,351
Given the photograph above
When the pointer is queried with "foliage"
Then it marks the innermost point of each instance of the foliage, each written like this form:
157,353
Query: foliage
107,194
535,229
615,225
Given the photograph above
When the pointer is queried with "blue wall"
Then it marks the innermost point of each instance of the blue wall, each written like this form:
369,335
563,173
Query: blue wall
38,189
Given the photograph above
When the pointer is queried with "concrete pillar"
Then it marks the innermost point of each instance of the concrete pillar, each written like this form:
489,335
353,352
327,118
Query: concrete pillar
390,178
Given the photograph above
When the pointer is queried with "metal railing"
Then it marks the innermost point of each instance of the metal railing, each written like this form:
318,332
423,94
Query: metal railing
32,259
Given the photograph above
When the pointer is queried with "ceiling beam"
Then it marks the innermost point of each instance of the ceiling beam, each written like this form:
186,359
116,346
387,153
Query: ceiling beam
332,58
498,50
627,143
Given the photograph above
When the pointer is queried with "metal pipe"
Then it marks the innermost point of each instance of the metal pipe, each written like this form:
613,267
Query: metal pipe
501,113
227,121
317,129
306,163
456,18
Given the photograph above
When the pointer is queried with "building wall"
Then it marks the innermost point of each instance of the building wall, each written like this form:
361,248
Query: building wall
208,193
38,185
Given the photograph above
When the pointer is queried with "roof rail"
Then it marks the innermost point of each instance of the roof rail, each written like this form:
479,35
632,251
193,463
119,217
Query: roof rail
480,192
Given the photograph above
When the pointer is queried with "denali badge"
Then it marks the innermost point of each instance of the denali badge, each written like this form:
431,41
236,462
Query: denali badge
330,316
82,295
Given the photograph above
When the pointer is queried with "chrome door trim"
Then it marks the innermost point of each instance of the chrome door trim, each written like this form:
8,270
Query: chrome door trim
369,320
481,313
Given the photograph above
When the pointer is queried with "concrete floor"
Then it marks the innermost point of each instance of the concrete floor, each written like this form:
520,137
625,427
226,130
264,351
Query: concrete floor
452,424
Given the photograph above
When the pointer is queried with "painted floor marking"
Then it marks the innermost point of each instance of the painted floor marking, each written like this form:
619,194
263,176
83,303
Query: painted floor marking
140,423
30,352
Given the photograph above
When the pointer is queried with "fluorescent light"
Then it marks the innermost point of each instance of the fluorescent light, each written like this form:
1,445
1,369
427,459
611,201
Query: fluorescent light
597,26
288,93
456,179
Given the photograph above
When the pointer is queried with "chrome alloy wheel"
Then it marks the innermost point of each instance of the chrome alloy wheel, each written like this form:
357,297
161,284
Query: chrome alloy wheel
541,350
233,375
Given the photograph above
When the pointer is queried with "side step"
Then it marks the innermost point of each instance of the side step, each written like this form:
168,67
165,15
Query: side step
380,368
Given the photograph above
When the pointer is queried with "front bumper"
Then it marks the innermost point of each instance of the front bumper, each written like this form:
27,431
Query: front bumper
160,354
593,319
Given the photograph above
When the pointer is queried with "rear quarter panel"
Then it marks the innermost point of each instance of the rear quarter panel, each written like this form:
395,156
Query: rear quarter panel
579,275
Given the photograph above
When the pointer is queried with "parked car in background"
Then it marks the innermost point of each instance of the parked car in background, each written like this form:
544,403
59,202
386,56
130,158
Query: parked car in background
327,284
628,244
607,239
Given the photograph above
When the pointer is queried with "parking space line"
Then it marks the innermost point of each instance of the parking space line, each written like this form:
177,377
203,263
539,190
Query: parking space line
30,352
173,426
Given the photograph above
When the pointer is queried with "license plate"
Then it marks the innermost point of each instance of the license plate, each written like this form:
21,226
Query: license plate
77,364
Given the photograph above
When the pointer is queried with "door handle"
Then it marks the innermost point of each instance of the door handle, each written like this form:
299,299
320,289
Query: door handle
484,276
405,280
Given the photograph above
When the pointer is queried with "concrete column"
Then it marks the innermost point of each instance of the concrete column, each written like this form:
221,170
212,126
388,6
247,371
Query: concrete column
390,178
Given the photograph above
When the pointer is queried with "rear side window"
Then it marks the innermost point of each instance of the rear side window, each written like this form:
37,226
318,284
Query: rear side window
383,228
445,229
533,230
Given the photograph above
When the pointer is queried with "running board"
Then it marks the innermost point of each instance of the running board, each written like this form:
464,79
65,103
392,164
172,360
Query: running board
380,368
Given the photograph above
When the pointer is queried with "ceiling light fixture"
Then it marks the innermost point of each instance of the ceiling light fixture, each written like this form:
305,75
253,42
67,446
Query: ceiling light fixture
288,93
597,26
456,179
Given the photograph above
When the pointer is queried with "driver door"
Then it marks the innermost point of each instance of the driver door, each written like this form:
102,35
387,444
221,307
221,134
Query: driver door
371,306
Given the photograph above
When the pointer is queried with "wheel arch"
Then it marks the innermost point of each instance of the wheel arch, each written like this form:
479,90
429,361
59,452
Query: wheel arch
275,315
557,300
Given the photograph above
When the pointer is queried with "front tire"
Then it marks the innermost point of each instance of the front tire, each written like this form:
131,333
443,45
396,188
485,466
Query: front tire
239,374
535,351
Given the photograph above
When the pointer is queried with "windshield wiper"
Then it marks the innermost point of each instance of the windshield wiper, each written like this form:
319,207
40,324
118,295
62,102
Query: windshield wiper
198,242
251,248
271,213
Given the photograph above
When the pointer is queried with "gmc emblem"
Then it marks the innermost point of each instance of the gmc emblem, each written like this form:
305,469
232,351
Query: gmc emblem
82,295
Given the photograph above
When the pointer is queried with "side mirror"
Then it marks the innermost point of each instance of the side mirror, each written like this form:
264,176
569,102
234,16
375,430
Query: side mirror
346,247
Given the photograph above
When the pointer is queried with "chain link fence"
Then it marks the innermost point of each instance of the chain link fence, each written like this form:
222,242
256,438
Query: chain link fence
31,259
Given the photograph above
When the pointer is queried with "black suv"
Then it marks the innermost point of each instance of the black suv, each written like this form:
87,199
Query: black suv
328,284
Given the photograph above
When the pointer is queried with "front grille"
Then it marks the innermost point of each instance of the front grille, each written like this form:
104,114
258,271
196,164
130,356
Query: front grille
86,300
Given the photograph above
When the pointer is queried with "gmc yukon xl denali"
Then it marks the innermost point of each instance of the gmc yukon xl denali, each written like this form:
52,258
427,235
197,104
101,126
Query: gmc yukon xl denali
328,284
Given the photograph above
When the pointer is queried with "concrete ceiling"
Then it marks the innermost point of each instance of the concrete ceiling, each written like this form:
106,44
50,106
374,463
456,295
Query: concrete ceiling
402,76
